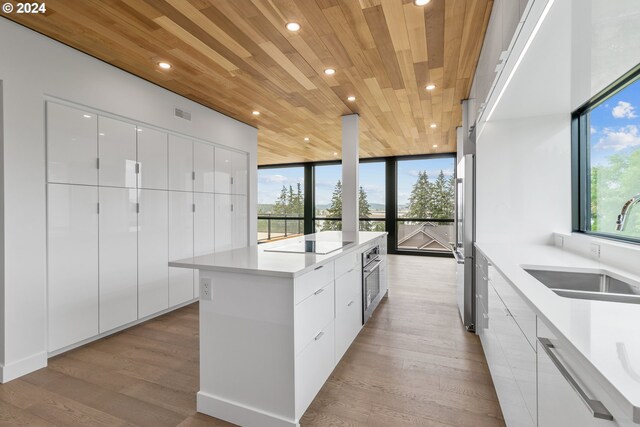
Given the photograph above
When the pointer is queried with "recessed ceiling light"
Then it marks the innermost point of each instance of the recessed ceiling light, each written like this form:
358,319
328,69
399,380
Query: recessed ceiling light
293,26
330,71
306,138
433,125
255,113
421,2
86,116
351,98
435,145
430,86
335,153
164,65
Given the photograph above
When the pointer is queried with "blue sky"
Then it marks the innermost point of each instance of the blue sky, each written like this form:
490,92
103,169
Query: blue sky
372,179
615,125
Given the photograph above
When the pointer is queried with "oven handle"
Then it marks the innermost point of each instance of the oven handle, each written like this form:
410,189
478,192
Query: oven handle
370,270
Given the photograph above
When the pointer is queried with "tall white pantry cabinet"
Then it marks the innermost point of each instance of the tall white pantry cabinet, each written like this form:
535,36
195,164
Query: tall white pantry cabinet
122,200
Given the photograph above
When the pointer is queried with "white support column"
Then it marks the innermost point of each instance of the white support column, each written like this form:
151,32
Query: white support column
350,173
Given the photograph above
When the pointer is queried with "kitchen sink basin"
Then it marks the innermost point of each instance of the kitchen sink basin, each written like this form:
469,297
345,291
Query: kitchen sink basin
592,286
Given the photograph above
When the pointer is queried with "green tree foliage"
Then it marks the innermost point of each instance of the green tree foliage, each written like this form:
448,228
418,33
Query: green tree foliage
365,211
612,185
432,199
335,209
420,200
289,202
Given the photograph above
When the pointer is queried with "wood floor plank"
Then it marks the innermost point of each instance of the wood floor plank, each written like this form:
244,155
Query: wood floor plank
412,365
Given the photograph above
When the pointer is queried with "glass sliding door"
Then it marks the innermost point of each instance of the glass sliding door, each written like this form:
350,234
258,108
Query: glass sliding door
372,196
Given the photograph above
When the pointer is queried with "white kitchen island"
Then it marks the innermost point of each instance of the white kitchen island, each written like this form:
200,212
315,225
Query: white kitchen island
273,325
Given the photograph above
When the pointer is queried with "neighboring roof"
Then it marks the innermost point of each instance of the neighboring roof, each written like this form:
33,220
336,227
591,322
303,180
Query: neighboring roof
428,235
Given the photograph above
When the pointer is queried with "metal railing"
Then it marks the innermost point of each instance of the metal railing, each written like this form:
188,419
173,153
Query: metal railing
276,227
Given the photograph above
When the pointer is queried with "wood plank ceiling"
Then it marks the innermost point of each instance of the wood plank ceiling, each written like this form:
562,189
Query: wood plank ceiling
236,56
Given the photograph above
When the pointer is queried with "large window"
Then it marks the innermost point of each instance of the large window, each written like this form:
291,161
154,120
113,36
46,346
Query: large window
372,196
327,192
280,203
425,204
606,134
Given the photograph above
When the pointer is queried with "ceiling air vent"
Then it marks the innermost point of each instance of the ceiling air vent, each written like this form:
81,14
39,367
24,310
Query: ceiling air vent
183,114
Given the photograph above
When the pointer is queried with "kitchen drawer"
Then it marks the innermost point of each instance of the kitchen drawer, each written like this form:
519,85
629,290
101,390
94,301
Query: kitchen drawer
519,309
347,263
348,311
310,282
312,314
559,401
313,367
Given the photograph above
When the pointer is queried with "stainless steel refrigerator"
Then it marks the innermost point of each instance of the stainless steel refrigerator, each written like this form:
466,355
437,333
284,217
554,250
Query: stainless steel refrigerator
464,250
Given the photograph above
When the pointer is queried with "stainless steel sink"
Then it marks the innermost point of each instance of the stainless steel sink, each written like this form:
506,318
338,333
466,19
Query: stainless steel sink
592,286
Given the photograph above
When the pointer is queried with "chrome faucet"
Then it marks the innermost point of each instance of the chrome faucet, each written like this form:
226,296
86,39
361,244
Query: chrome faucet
622,218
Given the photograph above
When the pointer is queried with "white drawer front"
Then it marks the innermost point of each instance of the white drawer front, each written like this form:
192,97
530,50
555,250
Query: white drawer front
345,264
312,314
313,367
310,282
519,309
348,311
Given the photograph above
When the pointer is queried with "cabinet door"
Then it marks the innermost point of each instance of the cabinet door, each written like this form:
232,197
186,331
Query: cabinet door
203,233
240,221
203,167
72,145
559,404
153,252
72,264
152,158
118,257
348,310
239,173
224,168
180,246
223,223
180,164
117,152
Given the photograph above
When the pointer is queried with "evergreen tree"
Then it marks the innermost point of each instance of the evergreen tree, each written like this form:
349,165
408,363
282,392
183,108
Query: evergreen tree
297,205
441,200
365,211
420,199
335,209
280,207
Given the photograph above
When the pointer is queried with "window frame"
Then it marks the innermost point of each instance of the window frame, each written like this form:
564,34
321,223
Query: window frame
581,161
391,201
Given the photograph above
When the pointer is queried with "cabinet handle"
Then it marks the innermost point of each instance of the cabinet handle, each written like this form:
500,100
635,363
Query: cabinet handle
137,168
317,337
193,175
319,291
318,268
98,163
193,207
231,207
231,180
350,303
597,408
137,207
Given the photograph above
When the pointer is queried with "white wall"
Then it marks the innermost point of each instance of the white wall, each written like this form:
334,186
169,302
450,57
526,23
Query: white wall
32,68
524,148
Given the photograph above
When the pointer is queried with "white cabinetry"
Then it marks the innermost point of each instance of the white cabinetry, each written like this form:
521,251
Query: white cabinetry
239,173
510,356
231,222
72,145
240,221
224,168
72,264
153,252
117,153
231,172
152,158
118,263
180,164
348,308
180,245
204,226
567,396
203,166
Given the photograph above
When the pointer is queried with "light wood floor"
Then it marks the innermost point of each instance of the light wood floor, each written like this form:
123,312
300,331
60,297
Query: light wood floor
411,365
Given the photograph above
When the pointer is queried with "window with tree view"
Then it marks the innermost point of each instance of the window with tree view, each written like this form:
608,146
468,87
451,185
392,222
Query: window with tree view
280,203
607,143
425,197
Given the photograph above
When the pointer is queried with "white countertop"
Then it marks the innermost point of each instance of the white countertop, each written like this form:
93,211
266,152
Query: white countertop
255,260
605,333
